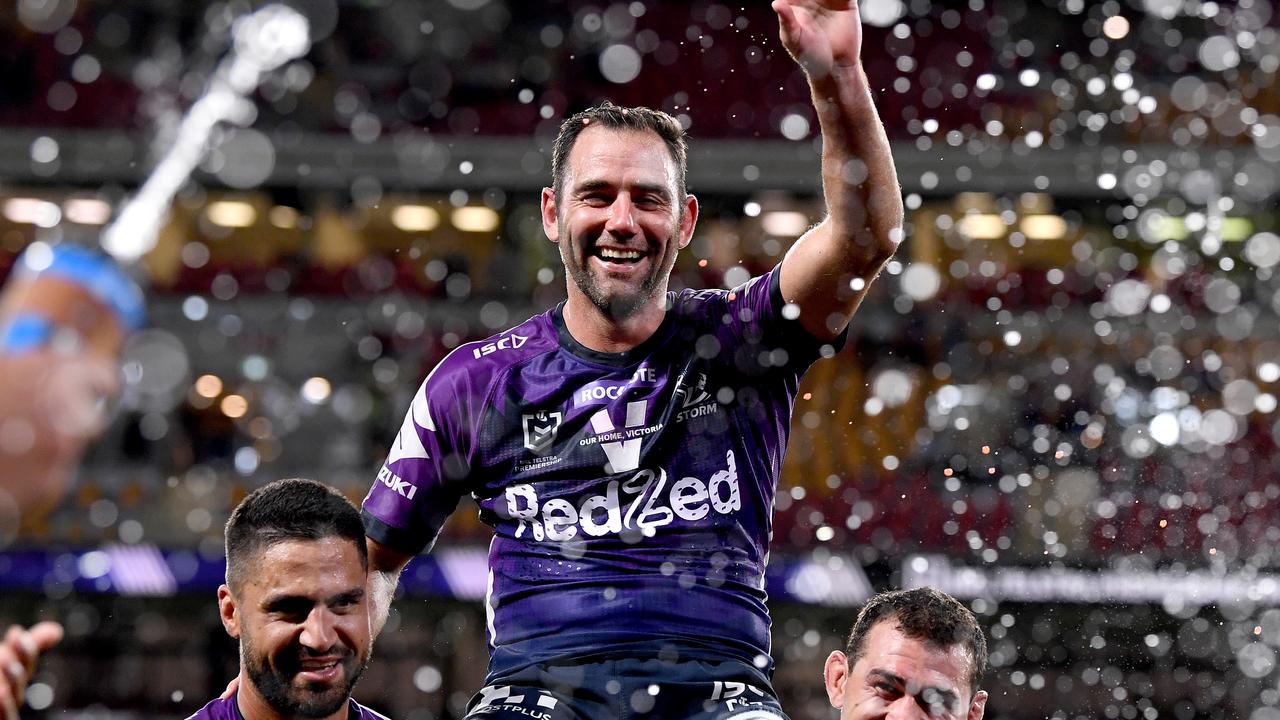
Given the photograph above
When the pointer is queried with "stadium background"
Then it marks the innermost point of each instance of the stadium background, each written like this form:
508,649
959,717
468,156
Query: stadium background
1058,403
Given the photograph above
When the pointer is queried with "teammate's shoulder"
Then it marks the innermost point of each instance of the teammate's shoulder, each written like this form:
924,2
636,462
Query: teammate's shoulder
217,709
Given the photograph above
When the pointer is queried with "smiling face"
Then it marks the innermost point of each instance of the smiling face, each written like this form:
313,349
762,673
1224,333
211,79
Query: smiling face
901,678
303,626
618,220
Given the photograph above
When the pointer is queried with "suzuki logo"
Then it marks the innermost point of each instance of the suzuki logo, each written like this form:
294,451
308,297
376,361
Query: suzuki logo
624,455
540,430
397,484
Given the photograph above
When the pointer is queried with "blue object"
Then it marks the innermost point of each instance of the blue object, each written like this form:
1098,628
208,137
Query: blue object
93,271
25,332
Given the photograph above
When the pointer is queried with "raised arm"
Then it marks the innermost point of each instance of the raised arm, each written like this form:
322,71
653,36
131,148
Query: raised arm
19,651
863,225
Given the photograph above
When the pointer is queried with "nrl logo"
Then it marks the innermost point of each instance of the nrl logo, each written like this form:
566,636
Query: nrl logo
540,430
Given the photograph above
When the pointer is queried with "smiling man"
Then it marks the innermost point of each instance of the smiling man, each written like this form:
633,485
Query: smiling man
295,599
625,446
911,654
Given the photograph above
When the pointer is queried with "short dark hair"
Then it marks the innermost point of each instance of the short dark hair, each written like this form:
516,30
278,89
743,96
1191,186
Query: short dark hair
294,509
617,117
924,614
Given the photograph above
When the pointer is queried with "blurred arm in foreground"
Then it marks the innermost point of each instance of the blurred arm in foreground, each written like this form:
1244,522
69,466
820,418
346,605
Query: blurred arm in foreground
19,651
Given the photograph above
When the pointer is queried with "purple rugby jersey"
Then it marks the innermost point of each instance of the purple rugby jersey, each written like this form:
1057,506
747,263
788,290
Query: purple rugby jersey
631,494
226,709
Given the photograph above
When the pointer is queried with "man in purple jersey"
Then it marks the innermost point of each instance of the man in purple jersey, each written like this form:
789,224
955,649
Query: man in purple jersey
295,598
625,446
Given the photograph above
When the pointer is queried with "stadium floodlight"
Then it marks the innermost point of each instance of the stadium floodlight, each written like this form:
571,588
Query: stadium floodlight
231,213
474,219
283,216
415,218
32,211
1043,227
1235,229
87,211
982,226
263,41
784,223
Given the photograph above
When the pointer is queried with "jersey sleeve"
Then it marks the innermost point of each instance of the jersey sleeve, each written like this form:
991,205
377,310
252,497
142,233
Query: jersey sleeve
764,332
428,467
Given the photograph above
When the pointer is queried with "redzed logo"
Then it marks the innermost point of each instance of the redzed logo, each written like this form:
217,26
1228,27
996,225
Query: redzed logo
645,501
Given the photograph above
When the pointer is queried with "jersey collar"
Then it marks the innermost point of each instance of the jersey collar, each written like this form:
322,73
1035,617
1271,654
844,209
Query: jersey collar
618,359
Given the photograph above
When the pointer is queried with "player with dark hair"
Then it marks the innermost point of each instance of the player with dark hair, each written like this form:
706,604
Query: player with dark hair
626,445
295,598
911,654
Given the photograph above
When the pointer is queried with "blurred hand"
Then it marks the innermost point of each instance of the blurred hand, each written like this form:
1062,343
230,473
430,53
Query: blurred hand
821,35
19,652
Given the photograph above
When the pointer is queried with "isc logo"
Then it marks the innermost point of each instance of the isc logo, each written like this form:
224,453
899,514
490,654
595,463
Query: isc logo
510,342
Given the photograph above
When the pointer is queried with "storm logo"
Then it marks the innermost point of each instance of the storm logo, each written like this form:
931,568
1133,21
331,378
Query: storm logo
690,395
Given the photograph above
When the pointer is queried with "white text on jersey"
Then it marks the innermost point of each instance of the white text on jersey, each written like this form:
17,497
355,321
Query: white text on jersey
645,501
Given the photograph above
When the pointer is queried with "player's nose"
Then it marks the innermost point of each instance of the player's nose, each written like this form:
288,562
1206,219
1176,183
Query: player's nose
622,220
319,631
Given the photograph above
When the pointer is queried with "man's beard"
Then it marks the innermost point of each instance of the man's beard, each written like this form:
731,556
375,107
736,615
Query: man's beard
618,306
274,683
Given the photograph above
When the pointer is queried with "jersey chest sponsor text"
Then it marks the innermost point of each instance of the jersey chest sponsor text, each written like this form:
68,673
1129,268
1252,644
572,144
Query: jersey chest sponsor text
646,501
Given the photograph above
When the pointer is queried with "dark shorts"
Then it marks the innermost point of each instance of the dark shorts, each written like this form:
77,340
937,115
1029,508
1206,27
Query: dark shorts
629,689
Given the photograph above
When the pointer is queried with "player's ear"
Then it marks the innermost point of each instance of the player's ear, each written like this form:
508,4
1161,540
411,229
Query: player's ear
229,611
688,219
550,216
835,674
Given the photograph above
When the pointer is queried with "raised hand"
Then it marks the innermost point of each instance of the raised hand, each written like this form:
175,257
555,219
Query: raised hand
822,35
19,651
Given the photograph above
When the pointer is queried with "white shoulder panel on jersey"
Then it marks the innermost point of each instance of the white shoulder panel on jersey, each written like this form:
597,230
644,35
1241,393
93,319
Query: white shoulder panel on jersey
408,444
